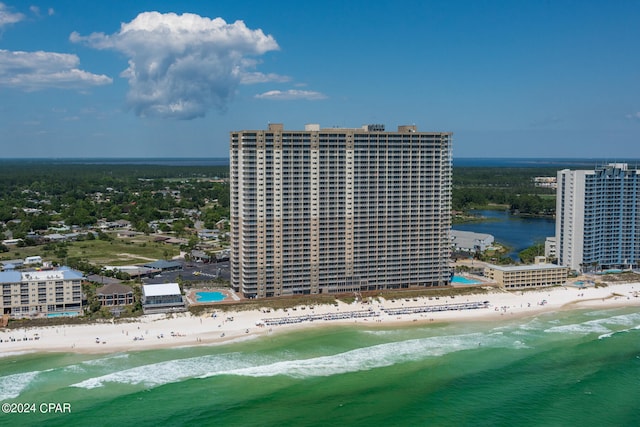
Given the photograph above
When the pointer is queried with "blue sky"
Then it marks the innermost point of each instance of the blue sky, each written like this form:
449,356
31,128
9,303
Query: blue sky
173,78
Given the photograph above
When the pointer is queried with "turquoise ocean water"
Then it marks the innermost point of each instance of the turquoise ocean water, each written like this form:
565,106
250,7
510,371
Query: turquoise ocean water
566,368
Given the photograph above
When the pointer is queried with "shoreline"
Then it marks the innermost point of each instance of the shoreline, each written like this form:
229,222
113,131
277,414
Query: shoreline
165,331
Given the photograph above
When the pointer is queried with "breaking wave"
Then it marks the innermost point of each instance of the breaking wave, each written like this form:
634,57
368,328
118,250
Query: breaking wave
12,385
240,364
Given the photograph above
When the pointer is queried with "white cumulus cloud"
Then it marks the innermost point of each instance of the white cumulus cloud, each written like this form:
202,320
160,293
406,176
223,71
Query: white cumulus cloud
180,66
36,11
257,77
7,17
38,70
291,94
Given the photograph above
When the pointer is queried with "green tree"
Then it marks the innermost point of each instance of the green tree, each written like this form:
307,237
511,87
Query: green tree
528,255
179,227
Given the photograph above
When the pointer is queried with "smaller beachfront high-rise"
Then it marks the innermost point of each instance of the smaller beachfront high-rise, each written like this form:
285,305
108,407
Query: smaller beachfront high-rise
598,218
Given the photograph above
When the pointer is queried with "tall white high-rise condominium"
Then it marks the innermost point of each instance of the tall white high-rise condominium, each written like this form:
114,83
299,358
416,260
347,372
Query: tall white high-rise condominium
598,218
319,211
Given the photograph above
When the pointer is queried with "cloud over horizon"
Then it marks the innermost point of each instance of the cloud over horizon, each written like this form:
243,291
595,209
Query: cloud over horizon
291,94
181,66
32,71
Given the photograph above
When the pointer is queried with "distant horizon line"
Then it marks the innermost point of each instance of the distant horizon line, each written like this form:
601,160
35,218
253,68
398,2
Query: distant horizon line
214,157
575,163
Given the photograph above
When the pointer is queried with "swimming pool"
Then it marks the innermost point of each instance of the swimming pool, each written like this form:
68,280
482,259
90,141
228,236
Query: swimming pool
207,296
65,314
464,281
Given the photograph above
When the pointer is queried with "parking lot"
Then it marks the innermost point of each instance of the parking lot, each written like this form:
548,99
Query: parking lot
194,273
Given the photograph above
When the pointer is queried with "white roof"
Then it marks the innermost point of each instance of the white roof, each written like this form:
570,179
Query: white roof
63,273
544,266
162,289
469,234
42,275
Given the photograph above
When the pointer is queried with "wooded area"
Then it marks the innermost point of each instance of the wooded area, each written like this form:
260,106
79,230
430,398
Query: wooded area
38,195
477,187
35,195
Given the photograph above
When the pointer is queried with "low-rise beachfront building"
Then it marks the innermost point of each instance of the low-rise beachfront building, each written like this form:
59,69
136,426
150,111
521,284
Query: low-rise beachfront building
134,271
162,298
200,256
115,294
536,275
33,260
164,265
468,241
37,293
11,264
11,242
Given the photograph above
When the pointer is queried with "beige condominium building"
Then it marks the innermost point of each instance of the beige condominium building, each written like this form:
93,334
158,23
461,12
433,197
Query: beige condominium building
35,293
536,275
339,210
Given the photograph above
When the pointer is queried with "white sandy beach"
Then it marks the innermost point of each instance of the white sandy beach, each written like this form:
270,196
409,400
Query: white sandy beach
183,329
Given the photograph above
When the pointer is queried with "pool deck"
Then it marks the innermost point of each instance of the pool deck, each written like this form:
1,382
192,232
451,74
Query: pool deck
477,281
63,314
229,294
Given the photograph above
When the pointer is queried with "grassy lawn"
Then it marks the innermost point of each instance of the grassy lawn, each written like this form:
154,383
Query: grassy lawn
140,250
20,253
121,252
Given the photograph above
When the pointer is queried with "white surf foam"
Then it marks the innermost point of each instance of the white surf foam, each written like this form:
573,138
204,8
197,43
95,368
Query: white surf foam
74,369
610,334
11,386
106,363
15,353
607,335
534,324
243,364
625,319
107,360
517,344
580,328
368,358
167,372
604,326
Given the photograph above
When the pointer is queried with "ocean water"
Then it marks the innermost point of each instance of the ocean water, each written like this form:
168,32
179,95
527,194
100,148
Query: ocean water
492,162
537,162
566,368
